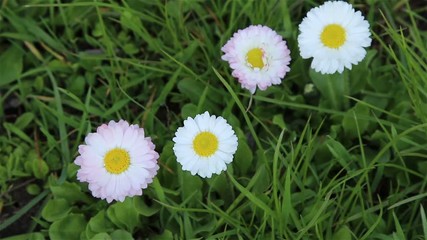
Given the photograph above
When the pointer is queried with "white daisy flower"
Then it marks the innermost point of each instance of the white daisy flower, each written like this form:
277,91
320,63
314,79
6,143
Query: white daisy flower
334,35
117,161
258,56
205,145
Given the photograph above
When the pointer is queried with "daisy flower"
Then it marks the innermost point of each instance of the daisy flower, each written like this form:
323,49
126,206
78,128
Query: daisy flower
117,161
334,35
258,56
205,145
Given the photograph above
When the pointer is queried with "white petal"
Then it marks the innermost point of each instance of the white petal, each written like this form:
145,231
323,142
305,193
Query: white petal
143,163
326,60
201,165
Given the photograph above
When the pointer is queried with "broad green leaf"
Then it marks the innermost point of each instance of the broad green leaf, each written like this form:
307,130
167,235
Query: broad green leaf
361,74
174,8
166,235
130,49
72,170
191,89
23,120
69,227
221,185
26,236
77,85
278,120
123,215
378,104
142,208
158,189
33,189
371,219
69,191
243,158
344,233
167,151
190,187
128,20
38,84
98,224
262,186
189,110
333,87
56,209
11,65
97,31
121,235
358,113
40,168
101,236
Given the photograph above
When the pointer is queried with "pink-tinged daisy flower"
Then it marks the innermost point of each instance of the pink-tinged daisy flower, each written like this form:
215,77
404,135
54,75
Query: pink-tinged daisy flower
117,161
258,56
205,145
334,35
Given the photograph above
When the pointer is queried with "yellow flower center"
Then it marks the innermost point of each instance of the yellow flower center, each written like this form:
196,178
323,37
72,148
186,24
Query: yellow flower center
205,144
117,161
254,58
333,36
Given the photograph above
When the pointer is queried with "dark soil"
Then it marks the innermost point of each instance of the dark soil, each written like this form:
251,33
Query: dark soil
19,198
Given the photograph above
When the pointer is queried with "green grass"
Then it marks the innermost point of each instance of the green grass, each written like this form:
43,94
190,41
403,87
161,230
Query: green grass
319,157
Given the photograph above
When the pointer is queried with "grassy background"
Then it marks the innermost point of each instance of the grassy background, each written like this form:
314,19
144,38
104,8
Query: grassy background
319,157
